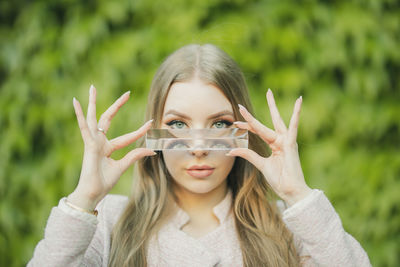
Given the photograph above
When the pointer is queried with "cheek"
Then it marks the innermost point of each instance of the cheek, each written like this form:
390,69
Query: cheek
172,162
226,164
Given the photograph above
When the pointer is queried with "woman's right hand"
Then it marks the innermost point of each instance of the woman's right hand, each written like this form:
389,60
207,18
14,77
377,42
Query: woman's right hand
99,171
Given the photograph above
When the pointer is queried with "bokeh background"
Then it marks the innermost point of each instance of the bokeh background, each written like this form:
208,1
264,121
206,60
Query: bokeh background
343,57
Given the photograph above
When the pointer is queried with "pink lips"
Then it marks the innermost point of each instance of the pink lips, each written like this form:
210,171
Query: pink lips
200,171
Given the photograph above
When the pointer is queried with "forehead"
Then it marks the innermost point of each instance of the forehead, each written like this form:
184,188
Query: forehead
195,96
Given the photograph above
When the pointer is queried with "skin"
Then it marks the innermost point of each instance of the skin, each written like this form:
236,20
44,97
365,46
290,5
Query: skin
282,168
99,171
196,101
194,105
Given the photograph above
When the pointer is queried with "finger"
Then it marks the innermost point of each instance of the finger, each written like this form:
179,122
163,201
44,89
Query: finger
294,121
247,126
81,120
248,155
243,125
91,113
108,115
134,156
275,116
257,127
127,139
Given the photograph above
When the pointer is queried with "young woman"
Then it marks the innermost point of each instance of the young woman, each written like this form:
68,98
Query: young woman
197,208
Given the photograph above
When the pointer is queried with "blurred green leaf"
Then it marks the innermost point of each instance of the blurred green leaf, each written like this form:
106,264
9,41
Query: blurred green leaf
342,57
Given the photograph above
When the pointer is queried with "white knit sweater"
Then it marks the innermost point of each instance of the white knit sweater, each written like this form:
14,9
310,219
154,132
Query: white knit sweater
74,238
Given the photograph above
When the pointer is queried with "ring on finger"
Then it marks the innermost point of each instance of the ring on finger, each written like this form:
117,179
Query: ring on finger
101,130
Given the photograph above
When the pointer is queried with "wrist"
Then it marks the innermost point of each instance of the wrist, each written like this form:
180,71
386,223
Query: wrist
92,212
296,195
81,202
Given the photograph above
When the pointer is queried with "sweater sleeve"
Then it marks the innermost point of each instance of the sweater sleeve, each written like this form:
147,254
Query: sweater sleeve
67,236
321,239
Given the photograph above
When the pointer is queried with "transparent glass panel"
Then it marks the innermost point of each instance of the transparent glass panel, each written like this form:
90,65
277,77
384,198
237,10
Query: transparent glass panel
196,139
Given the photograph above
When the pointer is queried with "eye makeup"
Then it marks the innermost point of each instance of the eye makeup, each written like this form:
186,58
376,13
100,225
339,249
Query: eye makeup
180,124
226,122
175,123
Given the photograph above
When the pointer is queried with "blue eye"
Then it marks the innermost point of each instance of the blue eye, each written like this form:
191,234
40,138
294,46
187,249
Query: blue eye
176,124
222,124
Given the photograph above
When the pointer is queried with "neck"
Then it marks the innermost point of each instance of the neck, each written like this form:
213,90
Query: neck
200,203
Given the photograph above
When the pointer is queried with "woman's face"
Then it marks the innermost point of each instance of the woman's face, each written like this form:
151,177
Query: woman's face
196,105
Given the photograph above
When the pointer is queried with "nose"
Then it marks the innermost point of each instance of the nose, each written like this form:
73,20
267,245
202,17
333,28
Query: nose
199,153
198,145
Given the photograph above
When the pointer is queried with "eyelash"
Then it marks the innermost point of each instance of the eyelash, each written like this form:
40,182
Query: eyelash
171,123
227,123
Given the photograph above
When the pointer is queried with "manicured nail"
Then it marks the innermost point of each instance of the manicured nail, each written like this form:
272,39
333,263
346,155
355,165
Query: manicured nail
92,89
124,94
241,107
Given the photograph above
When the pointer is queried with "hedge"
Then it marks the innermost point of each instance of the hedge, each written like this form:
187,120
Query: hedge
343,57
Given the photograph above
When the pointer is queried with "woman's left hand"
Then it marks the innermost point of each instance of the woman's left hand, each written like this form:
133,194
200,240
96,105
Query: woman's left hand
282,168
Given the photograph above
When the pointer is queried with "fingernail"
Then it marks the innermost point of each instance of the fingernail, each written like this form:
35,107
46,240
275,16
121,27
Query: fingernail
241,107
228,154
269,90
150,121
301,98
73,100
154,153
126,93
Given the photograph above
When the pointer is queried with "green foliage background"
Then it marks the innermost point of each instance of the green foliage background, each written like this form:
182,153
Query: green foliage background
342,56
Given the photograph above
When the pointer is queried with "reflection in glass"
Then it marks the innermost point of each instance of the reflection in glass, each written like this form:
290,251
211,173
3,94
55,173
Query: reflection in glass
189,139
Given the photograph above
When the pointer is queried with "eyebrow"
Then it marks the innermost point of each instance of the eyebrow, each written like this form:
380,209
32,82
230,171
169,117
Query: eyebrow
213,116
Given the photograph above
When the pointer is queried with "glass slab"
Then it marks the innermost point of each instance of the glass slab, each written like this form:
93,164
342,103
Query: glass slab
196,139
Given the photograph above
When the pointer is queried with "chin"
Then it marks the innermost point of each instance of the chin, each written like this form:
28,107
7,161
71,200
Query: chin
201,190
201,187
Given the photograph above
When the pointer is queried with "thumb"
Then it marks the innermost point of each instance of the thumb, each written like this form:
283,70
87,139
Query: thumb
248,155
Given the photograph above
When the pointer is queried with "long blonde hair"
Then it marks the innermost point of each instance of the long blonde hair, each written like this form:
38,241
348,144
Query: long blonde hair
264,238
